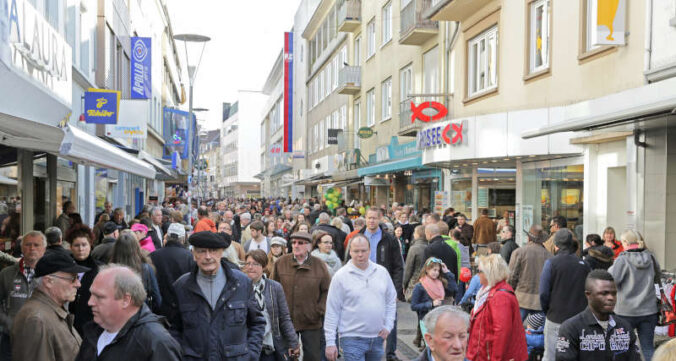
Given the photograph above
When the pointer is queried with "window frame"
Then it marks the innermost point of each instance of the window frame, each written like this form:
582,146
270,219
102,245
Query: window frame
546,36
371,39
405,93
386,100
356,57
585,49
386,24
371,107
356,122
473,65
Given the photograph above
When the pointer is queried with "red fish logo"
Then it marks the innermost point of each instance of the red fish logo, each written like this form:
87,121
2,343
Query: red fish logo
417,112
457,137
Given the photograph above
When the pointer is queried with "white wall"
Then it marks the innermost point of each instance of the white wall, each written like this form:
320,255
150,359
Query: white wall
249,134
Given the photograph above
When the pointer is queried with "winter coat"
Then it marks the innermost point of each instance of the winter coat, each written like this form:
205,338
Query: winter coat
63,222
283,334
598,257
332,261
414,261
79,308
635,272
157,241
306,287
421,302
154,300
508,247
440,249
525,268
562,286
233,330
484,231
535,339
171,262
389,256
143,338
42,330
467,231
205,224
496,330
14,292
337,235
104,250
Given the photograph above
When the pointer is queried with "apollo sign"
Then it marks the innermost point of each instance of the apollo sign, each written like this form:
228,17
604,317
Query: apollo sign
38,50
442,135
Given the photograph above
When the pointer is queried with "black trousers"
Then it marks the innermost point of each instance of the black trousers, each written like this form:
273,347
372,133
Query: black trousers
312,348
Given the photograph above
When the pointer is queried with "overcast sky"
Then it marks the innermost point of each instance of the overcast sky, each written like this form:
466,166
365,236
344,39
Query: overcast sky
246,37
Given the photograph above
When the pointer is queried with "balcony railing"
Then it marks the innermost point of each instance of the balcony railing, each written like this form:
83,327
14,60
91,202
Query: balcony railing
349,80
409,128
349,15
415,29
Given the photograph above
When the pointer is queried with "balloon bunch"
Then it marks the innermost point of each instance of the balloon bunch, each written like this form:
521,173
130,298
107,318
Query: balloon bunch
333,198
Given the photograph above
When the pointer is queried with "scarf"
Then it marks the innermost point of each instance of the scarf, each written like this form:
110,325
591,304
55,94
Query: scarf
434,288
481,298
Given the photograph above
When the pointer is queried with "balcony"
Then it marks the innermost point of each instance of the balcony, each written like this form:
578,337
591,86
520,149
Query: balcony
410,129
349,16
455,10
415,29
349,80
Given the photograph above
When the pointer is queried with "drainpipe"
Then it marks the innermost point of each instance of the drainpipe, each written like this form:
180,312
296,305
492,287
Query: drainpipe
647,58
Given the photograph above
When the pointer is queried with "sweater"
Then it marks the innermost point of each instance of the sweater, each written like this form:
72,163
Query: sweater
360,303
634,274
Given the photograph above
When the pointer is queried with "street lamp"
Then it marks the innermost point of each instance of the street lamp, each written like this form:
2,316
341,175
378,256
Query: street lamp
192,72
201,185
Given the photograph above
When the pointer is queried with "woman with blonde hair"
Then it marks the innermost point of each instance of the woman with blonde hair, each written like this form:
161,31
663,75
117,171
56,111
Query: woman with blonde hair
610,241
666,352
636,272
496,329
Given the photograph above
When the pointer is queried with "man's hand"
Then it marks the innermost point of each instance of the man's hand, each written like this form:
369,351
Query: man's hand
295,352
383,334
332,353
436,303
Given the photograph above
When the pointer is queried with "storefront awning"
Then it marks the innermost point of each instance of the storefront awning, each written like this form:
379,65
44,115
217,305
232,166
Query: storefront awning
156,163
622,107
8,181
394,166
279,168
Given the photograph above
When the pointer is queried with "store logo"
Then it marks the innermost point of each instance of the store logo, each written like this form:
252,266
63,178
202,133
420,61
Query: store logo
417,111
442,135
140,50
177,138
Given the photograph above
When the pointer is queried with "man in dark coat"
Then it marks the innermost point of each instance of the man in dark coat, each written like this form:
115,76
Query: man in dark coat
123,327
216,313
337,234
440,249
104,250
508,243
55,241
171,262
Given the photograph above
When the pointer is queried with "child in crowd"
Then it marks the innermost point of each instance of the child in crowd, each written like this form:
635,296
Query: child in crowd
535,337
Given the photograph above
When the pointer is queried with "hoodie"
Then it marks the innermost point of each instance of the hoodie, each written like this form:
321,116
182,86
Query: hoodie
205,224
634,274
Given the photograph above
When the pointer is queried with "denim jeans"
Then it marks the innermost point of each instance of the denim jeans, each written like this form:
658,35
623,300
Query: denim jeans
551,336
645,327
392,342
362,348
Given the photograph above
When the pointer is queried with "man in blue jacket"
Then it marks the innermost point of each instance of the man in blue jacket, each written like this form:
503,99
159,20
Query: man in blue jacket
216,316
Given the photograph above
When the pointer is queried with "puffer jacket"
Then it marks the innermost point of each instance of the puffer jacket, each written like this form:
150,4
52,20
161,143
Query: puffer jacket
496,330
232,331
142,338
14,292
635,272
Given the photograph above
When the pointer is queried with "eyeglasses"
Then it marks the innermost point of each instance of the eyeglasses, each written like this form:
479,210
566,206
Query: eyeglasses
70,279
252,264
298,242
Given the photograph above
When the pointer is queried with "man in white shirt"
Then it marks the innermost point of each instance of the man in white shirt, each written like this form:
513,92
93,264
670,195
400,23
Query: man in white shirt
361,306
258,239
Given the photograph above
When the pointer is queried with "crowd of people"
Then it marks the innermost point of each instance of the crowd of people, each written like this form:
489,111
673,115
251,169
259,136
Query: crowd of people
277,279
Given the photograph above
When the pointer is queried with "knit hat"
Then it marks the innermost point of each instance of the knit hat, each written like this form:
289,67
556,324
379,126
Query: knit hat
535,320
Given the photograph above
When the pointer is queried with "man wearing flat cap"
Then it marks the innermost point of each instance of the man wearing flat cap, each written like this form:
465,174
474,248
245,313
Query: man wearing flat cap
216,316
305,280
43,329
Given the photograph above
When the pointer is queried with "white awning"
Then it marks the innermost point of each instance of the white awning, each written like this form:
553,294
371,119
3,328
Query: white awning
152,160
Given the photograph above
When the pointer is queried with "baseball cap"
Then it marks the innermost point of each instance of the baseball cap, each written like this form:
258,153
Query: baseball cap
57,262
177,229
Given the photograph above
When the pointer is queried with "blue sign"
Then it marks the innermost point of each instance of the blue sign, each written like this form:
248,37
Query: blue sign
101,106
141,86
176,132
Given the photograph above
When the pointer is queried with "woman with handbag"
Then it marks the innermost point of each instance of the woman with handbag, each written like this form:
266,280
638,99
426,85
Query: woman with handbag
636,272
496,330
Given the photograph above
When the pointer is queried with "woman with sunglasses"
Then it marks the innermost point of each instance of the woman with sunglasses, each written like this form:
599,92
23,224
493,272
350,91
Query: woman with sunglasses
436,284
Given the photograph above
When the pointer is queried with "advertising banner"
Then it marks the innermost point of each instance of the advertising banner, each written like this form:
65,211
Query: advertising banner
288,92
608,22
141,85
132,122
176,132
101,106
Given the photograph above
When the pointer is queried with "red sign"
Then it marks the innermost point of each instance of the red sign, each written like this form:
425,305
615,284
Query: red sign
417,112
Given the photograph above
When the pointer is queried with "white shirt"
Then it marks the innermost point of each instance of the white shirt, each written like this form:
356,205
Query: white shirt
158,231
256,245
104,340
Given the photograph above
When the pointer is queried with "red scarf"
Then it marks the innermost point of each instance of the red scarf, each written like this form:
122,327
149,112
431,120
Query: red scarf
434,288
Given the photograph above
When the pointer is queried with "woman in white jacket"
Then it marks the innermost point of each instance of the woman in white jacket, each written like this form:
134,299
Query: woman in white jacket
322,244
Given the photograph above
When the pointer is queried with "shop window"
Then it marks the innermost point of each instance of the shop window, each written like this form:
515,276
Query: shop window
461,197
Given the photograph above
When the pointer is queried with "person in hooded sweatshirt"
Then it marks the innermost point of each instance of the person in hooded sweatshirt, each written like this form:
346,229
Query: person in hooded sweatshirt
596,254
635,272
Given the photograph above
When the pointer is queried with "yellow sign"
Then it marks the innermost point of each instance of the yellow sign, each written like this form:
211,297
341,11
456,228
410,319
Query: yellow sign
608,22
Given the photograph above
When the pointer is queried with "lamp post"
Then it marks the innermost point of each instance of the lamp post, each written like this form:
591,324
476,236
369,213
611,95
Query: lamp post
201,184
192,72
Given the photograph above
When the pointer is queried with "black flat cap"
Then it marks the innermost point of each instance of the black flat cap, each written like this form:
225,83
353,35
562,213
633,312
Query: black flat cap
109,227
207,239
57,262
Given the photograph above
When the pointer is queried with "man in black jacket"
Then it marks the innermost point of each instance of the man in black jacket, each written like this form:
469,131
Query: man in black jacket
124,328
171,262
385,251
440,249
104,250
594,334
337,234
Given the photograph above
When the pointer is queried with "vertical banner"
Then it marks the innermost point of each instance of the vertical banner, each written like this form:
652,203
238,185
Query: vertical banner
141,86
608,22
177,130
288,92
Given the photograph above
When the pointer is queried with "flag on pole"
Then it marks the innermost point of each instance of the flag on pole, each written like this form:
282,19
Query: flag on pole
288,92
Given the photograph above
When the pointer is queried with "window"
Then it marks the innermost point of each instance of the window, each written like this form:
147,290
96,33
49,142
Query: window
589,22
357,51
482,61
326,130
357,122
315,142
343,56
371,107
405,82
387,23
335,72
327,80
451,71
386,100
539,35
343,118
334,120
431,78
321,135
371,41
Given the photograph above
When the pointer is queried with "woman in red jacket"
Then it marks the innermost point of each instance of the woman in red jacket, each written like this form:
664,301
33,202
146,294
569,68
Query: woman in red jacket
496,331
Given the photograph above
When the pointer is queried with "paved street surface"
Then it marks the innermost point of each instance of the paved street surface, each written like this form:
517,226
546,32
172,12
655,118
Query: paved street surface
406,324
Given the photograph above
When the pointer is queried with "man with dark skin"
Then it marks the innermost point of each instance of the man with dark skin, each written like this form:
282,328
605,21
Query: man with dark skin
594,334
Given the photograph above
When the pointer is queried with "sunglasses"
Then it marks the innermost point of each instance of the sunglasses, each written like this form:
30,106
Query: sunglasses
433,260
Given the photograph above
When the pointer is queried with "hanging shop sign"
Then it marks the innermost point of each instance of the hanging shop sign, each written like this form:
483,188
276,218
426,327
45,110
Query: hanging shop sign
141,85
333,136
275,150
177,131
417,112
608,19
102,106
365,132
132,123
443,134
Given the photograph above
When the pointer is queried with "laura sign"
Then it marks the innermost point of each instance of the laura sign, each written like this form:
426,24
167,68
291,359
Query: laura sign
417,112
443,135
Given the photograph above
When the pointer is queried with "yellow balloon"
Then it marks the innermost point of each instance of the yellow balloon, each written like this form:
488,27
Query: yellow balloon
362,210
